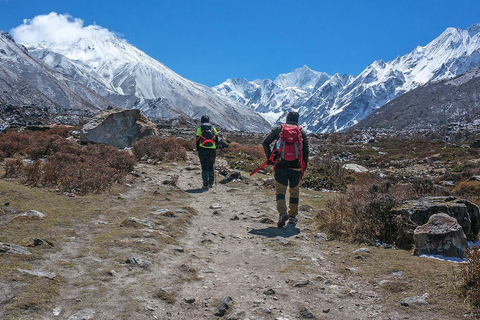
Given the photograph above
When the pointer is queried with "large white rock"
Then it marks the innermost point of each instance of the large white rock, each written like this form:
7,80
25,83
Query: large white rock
441,235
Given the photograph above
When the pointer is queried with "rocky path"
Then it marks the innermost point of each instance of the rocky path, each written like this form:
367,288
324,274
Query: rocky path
236,251
195,249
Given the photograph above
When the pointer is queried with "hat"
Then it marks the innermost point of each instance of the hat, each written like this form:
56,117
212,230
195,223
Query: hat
292,117
205,119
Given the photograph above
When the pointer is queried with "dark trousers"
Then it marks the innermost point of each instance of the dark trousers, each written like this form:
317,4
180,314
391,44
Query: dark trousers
207,161
284,178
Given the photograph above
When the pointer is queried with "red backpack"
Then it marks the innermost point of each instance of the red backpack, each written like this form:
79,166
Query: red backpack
289,147
290,143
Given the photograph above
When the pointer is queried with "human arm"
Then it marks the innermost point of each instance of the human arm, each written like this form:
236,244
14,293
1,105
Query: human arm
216,137
305,149
197,140
272,136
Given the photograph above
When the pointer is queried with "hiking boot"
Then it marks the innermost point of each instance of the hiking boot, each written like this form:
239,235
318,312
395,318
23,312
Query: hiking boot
205,186
292,220
282,220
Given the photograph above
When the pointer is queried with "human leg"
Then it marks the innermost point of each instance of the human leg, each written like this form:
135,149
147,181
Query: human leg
281,183
211,167
204,164
294,179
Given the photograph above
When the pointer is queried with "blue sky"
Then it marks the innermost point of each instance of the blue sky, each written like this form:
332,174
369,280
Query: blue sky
210,41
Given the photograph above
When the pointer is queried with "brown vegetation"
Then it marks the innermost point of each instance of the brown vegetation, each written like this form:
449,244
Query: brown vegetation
162,149
55,161
363,212
471,276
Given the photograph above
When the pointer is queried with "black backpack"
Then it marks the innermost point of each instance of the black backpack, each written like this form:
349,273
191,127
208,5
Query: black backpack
207,136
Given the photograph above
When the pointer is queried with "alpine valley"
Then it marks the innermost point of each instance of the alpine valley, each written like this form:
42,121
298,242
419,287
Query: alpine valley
334,103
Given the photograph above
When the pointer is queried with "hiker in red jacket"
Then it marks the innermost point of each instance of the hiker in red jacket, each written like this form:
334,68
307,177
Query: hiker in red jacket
290,160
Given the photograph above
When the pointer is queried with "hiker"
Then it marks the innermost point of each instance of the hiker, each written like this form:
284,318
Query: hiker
206,143
290,161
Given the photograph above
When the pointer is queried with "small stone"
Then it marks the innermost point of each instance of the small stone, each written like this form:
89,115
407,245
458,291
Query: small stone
113,273
222,308
240,315
137,223
6,204
267,220
321,236
13,248
49,275
235,217
302,283
415,301
361,250
269,292
307,314
85,314
179,249
190,300
360,257
281,240
56,311
34,214
137,261
233,189
39,242
215,206
160,212
305,207
215,212
327,310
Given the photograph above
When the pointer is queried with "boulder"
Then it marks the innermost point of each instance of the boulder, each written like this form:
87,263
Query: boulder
441,235
417,212
118,128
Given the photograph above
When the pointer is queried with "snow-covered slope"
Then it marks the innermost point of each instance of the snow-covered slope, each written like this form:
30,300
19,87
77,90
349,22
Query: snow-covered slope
338,102
273,98
130,78
26,81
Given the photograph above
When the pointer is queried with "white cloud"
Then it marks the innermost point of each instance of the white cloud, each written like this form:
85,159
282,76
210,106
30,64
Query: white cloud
56,29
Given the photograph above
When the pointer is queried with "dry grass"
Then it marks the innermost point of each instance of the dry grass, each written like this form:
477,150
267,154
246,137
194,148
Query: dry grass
162,149
471,276
363,212
406,275
64,164
469,190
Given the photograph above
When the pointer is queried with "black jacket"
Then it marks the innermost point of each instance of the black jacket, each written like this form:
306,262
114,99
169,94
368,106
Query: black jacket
273,136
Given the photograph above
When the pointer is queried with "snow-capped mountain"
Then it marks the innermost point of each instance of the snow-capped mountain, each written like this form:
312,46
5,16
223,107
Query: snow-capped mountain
337,102
130,78
26,81
273,98
453,102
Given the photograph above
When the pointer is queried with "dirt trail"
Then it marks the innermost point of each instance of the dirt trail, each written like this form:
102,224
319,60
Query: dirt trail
234,250
237,254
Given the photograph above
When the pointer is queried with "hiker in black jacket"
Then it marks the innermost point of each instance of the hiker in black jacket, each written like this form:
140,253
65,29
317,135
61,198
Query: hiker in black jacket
206,143
287,173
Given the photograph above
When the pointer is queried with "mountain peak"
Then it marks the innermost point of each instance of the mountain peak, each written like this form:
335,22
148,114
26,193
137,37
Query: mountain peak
474,29
6,35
